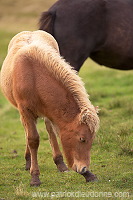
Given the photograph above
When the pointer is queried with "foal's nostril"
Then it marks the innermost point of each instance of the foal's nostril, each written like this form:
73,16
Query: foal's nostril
84,169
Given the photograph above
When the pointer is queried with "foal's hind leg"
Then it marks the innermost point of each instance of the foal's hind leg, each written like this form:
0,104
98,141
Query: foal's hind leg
57,155
29,123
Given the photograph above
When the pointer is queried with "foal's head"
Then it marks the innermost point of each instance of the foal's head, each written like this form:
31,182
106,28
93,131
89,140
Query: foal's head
77,140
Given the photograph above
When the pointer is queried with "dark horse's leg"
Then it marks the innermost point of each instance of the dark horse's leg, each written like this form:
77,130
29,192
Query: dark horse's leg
29,123
57,155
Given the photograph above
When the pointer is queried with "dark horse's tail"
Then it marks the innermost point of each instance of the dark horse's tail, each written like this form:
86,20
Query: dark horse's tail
46,22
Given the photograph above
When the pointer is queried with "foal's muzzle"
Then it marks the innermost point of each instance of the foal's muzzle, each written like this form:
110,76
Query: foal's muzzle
83,170
80,170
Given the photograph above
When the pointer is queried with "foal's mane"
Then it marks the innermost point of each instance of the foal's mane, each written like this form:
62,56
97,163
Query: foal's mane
65,74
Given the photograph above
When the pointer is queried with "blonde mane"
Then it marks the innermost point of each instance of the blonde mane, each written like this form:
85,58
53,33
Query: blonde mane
64,73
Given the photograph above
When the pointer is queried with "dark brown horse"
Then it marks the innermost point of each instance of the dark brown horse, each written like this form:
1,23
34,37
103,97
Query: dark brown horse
99,29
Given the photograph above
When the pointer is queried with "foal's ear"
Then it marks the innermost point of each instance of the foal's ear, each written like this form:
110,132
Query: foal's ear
90,118
84,116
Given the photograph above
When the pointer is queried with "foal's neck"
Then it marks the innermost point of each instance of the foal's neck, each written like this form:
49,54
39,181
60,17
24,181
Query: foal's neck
66,109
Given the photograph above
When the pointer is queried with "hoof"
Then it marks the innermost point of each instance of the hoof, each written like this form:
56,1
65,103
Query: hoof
89,177
35,181
58,160
62,168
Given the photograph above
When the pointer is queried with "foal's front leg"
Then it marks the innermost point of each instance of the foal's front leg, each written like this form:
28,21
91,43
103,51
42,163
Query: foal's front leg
57,155
32,137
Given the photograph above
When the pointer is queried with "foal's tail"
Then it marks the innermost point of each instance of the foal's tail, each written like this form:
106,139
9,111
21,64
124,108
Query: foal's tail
46,22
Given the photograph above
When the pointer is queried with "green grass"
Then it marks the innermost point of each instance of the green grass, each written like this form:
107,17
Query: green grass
112,151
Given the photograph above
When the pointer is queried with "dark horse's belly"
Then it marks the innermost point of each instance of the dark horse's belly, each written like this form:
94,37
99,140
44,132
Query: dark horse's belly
109,59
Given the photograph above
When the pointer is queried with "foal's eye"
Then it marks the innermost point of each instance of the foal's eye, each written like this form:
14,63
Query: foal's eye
82,139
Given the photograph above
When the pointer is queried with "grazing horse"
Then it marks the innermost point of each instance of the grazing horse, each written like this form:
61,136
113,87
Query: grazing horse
39,83
99,29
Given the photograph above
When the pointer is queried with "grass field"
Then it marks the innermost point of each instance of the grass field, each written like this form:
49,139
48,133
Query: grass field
112,151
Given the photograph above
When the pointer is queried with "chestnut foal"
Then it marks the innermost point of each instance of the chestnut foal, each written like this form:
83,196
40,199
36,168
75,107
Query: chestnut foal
39,83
